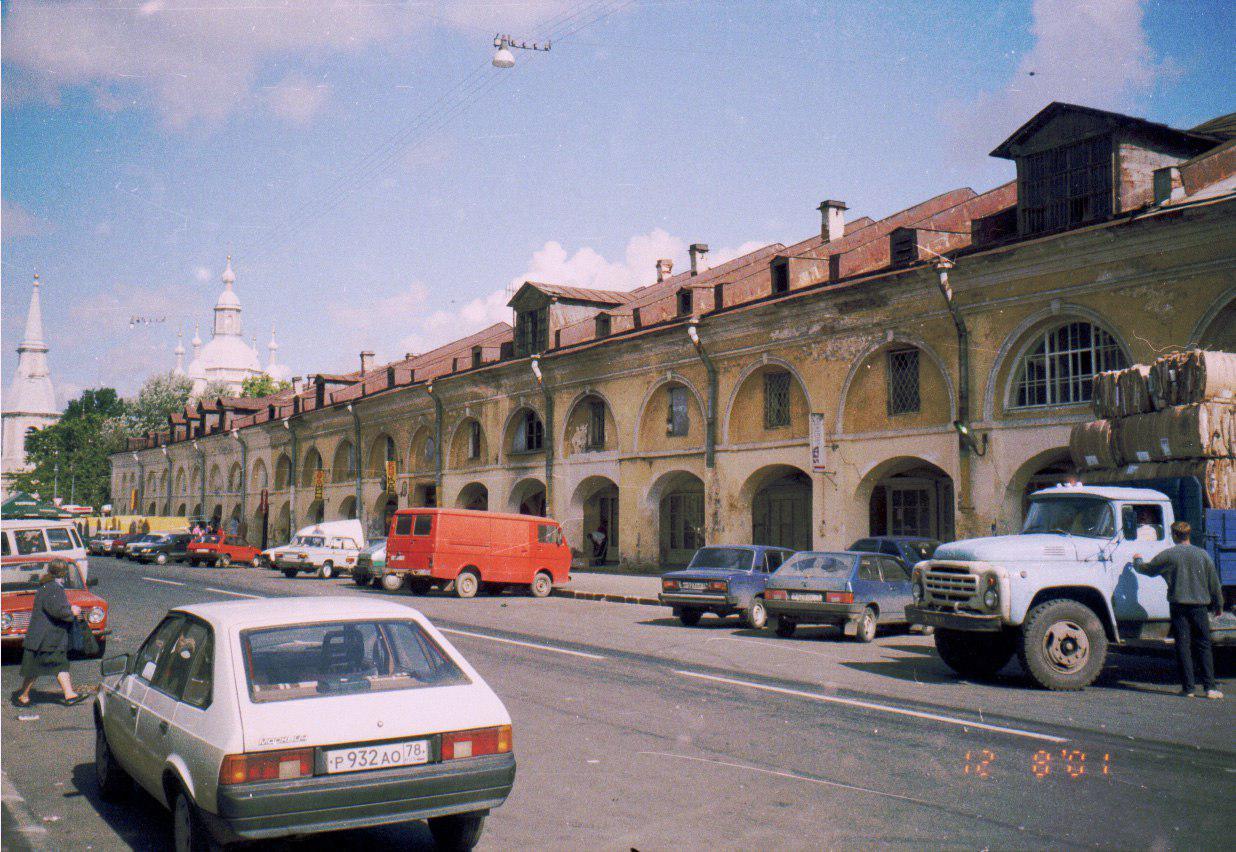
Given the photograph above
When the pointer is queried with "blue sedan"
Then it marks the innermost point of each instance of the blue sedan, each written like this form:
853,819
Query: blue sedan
844,588
723,579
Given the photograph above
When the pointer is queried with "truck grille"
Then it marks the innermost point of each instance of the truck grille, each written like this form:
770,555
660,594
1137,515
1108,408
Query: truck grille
953,585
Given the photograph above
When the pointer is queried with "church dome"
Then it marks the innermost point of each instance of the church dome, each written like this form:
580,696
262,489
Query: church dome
225,352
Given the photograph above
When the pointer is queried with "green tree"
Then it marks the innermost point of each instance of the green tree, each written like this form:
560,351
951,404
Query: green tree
256,387
216,389
69,458
161,395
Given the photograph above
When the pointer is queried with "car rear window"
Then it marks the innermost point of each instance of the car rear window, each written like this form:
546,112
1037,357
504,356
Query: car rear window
336,658
423,526
817,565
722,557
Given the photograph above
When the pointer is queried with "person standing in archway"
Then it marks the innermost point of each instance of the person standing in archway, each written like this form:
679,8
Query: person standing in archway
600,542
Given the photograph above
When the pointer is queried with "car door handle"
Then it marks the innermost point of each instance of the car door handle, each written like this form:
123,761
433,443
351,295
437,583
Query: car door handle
163,727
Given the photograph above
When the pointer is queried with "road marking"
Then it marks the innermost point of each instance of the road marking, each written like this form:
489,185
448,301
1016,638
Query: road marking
524,644
884,708
161,580
27,823
226,592
793,776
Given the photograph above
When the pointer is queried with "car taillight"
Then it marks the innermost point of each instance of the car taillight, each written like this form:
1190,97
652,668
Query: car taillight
457,745
669,585
266,766
775,595
716,586
839,597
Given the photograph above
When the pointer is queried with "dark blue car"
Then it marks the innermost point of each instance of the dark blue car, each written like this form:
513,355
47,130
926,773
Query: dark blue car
723,579
911,550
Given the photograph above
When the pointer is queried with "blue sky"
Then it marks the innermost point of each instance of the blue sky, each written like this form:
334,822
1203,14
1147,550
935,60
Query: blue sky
379,185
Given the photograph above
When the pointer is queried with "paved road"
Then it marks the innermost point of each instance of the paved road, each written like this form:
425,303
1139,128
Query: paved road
634,732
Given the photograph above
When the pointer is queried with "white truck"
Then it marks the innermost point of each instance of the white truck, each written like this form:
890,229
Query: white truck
1064,590
322,549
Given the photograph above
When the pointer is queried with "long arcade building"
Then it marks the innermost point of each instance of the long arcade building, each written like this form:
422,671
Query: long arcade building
803,395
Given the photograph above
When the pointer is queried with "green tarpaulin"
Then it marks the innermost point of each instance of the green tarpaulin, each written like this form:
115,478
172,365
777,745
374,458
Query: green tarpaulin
22,505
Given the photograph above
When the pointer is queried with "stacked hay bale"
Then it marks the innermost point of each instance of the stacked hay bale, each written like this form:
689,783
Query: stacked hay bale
1176,417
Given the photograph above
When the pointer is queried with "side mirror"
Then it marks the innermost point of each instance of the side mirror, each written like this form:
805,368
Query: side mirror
92,581
116,665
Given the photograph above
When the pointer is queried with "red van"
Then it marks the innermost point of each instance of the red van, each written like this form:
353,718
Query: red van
434,547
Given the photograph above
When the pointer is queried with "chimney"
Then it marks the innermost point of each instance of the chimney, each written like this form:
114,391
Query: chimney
832,220
698,250
366,362
665,268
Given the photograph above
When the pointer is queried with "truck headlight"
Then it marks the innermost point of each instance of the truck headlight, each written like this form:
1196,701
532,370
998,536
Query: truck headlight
96,615
991,597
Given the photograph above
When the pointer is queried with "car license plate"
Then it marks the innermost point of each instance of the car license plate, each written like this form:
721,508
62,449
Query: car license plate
408,753
694,587
806,596
199,550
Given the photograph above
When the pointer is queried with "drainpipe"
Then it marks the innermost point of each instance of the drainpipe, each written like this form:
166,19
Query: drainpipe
141,484
357,458
549,433
710,423
292,476
170,477
201,454
439,415
967,446
244,475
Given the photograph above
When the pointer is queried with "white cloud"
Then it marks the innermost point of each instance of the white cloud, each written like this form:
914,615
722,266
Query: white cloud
194,61
296,98
17,222
1090,52
202,274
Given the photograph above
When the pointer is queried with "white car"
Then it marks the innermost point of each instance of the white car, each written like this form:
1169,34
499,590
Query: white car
323,549
288,716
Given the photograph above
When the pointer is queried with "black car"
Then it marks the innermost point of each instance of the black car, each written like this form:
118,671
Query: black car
168,547
910,550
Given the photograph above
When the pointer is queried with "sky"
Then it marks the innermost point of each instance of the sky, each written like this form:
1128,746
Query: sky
379,185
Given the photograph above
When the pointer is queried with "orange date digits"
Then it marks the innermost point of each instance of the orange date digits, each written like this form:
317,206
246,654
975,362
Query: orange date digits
1040,764
977,762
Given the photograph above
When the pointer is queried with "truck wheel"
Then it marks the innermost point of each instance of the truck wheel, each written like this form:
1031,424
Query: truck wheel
756,616
542,585
784,627
690,617
865,630
1063,645
976,655
467,584
360,579
290,572
327,570
392,582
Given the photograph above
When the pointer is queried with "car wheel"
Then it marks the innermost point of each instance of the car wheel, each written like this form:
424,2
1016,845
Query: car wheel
188,832
467,584
784,627
223,561
457,832
161,558
290,572
542,584
690,617
975,655
865,630
392,582
360,579
109,775
327,570
756,615
1063,645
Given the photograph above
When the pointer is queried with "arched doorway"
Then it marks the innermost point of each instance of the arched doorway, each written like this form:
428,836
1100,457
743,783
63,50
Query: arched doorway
424,494
235,523
680,511
780,507
596,502
281,530
316,513
473,496
152,509
180,512
387,505
1042,471
910,497
528,498
347,507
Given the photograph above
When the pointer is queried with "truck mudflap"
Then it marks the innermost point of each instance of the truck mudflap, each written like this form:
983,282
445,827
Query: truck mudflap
950,620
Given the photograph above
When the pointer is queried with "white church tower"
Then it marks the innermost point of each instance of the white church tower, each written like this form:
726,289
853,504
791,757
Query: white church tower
30,402
227,359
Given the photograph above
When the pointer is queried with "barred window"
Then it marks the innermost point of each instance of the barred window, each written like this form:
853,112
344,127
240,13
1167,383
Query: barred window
776,400
474,439
1066,186
903,393
677,422
596,424
1060,369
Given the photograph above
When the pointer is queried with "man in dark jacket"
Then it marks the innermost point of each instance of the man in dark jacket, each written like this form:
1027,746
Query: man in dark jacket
1192,589
46,643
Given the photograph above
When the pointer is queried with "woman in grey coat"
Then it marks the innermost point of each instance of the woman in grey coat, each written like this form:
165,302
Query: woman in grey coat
46,644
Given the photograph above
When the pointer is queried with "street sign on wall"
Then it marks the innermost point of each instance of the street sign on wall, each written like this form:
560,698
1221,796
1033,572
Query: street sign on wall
819,459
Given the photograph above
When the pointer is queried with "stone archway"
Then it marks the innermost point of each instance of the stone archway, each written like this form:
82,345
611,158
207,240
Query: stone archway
679,501
908,496
347,507
383,511
281,528
528,497
1044,470
594,505
780,499
473,496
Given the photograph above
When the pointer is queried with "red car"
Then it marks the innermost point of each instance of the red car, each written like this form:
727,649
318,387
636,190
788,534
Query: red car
20,578
222,550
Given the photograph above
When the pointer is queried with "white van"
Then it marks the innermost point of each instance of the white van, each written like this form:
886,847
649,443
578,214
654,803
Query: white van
44,537
324,549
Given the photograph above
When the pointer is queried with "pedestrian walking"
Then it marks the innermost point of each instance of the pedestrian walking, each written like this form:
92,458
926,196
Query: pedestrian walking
46,644
1192,590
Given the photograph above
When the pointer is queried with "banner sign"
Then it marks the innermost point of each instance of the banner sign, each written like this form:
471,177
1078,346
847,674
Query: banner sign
264,505
133,501
390,477
819,462
319,482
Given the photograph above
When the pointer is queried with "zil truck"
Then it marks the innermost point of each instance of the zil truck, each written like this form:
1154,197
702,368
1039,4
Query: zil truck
1063,591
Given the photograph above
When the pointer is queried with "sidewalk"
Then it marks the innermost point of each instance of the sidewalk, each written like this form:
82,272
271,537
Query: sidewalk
615,588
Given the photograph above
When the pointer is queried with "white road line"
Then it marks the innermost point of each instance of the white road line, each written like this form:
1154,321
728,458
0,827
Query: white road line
226,592
524,644
883,708
161,580
27,823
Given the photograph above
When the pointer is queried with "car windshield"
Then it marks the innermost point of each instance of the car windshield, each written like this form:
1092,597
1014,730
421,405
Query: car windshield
209,539
722,557
374,547
1090,517
917,551
309,541
334,658
25,578
816,565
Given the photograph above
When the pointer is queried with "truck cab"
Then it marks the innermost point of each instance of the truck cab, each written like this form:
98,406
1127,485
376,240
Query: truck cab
1064,589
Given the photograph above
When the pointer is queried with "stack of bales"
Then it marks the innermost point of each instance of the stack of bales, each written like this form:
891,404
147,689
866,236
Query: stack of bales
1176,417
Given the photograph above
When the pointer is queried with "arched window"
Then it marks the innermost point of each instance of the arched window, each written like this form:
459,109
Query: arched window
530,434
1059,369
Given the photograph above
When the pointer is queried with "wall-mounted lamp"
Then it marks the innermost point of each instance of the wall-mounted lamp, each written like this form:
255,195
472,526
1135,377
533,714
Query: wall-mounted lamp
970,440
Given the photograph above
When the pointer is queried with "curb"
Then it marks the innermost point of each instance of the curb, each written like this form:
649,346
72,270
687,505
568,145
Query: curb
604,596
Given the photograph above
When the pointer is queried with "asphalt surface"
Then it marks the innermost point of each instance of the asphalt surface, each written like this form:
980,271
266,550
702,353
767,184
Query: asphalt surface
633,732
